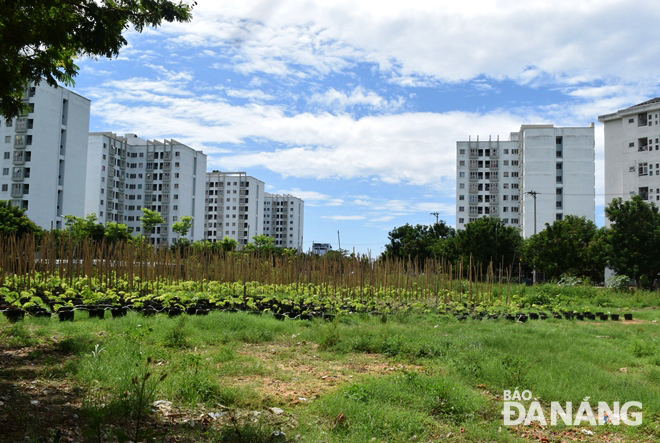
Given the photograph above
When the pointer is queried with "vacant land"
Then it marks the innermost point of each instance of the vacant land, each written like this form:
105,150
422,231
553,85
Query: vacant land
359,378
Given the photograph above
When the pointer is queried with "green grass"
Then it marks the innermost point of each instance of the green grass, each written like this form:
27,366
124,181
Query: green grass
453,376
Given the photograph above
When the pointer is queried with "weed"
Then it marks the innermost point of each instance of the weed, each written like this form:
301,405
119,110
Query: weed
177,336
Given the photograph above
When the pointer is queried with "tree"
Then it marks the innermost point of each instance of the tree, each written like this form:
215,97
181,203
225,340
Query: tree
183,226
488,239
150,220
264,243
82,228
39,39
420,241
574,246
633,239
13,221
117,231
229,244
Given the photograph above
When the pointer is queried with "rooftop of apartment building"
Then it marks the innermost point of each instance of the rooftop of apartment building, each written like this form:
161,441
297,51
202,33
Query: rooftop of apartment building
648,105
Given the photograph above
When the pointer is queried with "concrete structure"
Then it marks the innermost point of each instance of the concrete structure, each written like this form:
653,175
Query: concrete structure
44,155
632,152
234,207
321,248
126,174
284,220
238,207
543,166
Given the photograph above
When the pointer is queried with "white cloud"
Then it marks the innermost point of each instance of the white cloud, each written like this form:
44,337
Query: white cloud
341,101
420,41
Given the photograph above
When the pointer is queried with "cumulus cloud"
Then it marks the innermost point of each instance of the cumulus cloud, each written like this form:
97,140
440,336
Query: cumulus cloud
418,42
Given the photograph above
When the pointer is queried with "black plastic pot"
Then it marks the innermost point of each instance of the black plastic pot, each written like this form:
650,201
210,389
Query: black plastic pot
579,316
14,314
614,317
191,310
65,314
148,311
603,317
522,318
557,316
173,312
627,316
590,316
118,311
533,316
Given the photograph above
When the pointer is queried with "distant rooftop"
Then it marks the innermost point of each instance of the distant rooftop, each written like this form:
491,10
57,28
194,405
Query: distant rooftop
647,102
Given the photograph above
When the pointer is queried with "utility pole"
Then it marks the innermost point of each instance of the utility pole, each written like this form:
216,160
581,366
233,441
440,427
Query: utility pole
534,194
436,216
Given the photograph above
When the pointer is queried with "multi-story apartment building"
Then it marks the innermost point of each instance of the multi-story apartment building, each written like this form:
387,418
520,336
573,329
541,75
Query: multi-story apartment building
536,177
238,207
44,154
126,174
234,206
632,152
284,220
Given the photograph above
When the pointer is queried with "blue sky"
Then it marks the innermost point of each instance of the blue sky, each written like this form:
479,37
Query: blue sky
356,107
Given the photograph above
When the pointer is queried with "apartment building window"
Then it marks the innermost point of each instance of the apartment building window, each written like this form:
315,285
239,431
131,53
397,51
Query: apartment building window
559,217
5,171
461,163
7,155
8,123
514,185
514,174
461,209
7,138
643,169
514,208
514,162
5,188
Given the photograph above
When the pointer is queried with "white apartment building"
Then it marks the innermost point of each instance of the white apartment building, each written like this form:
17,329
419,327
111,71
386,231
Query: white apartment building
44,153
126,174
632,152
234,206
539,175
238,207
284,220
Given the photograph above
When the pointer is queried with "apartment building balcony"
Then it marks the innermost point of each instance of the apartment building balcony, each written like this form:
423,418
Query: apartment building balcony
165,209
17,191
165,198
21,124
18,174
19,142
150,156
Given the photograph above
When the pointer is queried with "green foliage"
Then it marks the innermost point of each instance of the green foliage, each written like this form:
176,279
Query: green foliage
13,221
229,244
40,39
420,242
634,239
619,283
81,228
573,246
182,227
117,231
489,239
149,220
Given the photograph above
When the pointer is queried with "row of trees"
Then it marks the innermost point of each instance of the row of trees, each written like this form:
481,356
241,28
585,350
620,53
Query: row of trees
572,246
13,221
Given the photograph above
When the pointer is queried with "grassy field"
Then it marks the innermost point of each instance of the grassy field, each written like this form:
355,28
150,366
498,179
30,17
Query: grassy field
232,377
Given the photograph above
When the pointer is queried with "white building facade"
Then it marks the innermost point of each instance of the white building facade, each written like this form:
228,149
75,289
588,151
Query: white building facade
234,207
539,175
632,152
128,173
44,154
284,220
238,207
